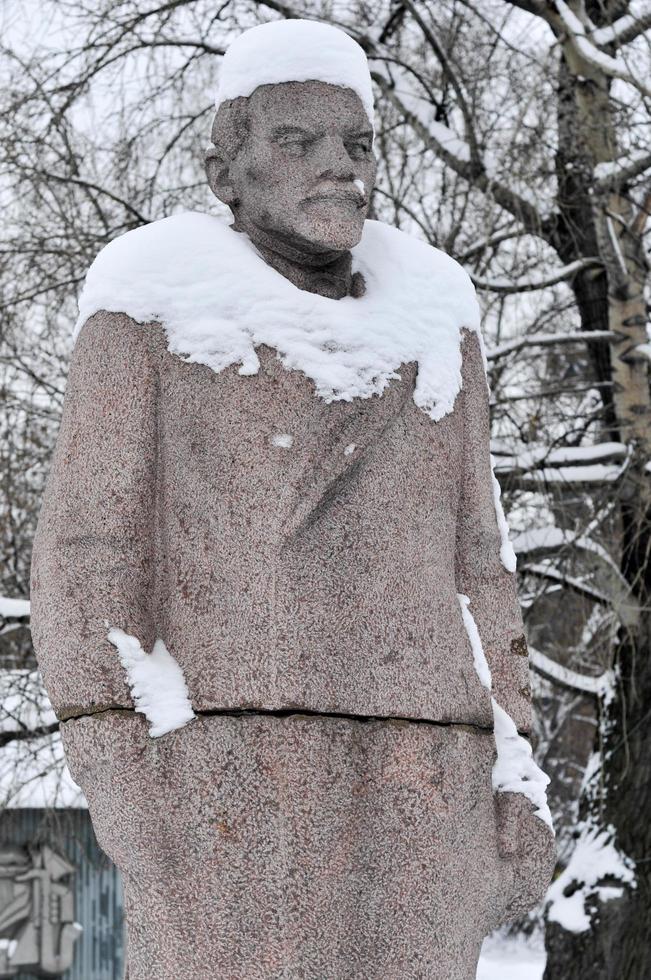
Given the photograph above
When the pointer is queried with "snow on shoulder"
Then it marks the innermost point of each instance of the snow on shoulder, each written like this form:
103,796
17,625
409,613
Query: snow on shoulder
294,50
218,299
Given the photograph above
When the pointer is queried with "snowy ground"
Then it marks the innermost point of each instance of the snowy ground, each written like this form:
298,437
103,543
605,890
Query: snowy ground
511,959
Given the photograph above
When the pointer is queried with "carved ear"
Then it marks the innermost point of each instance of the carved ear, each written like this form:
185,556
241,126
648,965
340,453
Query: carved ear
217,165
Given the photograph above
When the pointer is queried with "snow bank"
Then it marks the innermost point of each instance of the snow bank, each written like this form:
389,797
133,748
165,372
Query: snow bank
294,51
157,684
515,770
594,859
218,299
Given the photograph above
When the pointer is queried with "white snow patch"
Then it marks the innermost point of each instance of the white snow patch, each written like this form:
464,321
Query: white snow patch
350,448
13,608
479,657
515,770
283,440
294,50
187,272
507,554
599,685
360,185
157,684
594,858
511,958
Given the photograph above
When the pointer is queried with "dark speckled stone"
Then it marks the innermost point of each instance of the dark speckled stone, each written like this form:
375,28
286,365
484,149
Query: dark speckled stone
305,848
278,578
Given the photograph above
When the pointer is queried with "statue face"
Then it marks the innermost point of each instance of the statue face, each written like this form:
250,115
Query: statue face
305,171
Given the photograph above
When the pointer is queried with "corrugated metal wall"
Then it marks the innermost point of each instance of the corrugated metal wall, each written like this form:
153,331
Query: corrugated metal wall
99,951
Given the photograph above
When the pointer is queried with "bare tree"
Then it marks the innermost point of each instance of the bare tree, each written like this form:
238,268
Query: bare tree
514,135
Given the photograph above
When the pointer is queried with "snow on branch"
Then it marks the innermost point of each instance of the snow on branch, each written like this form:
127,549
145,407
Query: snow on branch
13,608
561,455
529,285
596,686
547,340
610,175
454,151
569,581
574,476
623,31
584,46
596,869
551,540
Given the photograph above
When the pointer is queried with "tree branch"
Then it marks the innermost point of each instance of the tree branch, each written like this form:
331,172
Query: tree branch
527,286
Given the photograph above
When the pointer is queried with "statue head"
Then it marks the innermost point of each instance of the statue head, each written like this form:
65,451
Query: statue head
292,152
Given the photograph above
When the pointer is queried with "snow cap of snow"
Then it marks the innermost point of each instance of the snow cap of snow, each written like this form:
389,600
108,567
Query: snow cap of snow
157,684
187,272
294,51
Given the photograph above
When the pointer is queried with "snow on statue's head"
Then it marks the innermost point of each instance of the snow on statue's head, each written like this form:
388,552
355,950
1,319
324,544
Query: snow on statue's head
293,136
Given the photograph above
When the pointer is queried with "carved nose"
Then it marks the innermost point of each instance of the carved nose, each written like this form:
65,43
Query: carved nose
335,160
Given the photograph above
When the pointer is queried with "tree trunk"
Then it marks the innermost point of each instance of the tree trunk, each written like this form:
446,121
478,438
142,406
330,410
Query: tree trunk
616,945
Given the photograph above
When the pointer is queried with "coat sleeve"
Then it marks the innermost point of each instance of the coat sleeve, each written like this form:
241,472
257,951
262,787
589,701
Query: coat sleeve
92,554
482,548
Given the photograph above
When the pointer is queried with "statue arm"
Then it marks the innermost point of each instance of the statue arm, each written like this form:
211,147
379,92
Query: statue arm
480,572
92,559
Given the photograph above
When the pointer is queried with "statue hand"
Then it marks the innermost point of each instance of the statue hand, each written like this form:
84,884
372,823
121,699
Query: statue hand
528,844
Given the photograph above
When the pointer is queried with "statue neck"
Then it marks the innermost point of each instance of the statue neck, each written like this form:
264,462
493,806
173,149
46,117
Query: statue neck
327,273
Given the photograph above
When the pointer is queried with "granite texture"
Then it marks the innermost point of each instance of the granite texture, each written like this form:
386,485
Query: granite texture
265,847
322,576
292,555
294,162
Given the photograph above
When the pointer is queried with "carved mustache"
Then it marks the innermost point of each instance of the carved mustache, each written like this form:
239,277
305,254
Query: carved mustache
348,193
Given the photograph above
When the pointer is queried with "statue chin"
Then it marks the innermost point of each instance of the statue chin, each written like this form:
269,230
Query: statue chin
332,228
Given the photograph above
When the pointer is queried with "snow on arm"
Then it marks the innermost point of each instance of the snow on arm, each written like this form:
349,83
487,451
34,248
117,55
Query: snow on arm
507,554
515,770
157,684
479,657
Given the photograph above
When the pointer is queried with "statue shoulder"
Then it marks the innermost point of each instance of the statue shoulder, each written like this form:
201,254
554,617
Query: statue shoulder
137,272
416,260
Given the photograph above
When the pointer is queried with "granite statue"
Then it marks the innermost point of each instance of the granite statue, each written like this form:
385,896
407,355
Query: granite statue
274,598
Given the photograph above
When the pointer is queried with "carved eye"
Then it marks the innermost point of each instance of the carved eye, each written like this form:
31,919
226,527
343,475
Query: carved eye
296,144
358,149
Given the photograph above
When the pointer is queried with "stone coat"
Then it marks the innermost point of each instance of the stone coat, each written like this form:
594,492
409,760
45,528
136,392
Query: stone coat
319,572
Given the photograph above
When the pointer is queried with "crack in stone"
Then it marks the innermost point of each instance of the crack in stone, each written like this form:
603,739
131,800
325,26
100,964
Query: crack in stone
306,712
